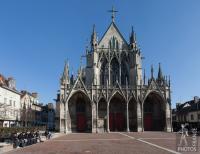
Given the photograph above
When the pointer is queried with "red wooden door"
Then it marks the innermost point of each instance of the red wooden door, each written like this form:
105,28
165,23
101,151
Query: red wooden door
119,120
111,121
148,121
81,122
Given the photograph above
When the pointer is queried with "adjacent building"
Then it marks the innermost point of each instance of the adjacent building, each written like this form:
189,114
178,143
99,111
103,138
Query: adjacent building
29,107
188,112
48,116
112,92
34,113
9,102
22,109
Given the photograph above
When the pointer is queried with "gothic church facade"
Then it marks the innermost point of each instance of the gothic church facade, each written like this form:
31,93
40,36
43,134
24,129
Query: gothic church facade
111,93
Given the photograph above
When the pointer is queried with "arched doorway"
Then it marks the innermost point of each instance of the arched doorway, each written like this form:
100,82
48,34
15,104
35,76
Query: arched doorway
132,110
102,115
117,113
154,113
80,112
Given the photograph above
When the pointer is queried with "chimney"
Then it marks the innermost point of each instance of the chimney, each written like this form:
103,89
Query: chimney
196,99
35,95
11,83
50,105
177,105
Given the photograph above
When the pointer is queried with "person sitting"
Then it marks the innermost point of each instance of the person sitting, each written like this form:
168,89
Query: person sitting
25,137
29,139
49,135
15,140
37,134
33,137
21,139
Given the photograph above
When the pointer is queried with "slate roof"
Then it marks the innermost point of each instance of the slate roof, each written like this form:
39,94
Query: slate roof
189,106
4,84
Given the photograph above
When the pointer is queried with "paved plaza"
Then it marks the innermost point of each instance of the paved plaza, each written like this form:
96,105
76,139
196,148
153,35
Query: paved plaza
106,143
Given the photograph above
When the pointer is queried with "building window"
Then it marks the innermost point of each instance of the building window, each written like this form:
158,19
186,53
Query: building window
10,102
14,103
192,117
5,100
198,116
184,118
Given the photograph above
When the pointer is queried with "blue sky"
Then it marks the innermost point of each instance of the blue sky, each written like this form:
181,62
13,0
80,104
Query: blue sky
37,36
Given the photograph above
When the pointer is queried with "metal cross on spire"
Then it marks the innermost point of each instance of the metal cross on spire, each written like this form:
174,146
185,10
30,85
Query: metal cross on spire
113,11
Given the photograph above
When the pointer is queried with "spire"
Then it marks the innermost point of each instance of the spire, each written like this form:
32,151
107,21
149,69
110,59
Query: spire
151,71
133,39
66,69
136,74
93,41
113,11
65,76
93,30
160,76
133,36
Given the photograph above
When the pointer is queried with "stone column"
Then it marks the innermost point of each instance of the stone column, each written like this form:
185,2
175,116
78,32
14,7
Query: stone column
93,117
109,73
108,128
120,74
140,127
97,117
65,117
168,118
60,117
127,118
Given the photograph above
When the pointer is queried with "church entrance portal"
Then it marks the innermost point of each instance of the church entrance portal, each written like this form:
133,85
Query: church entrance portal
80,112
132,110
154,113
117,114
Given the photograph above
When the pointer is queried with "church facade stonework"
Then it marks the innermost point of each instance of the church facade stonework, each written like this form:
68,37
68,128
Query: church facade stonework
111,93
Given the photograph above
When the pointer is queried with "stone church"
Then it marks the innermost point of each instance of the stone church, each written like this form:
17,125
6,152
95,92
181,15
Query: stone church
112,92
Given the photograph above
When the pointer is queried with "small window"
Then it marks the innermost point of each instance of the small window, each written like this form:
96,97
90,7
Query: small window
198,116
192,117
10,102
5,100
14,103
185,118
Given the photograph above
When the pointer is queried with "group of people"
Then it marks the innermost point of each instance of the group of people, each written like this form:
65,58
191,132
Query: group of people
25,138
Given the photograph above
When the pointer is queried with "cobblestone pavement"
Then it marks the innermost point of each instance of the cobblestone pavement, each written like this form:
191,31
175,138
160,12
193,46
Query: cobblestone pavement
105,143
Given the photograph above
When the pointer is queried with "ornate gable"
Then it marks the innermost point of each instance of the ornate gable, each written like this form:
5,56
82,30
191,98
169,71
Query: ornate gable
102,95
78,86
153,86
111,32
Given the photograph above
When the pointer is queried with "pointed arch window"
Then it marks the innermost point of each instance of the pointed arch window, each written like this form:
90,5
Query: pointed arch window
124,72
104,72
113,43
114,71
